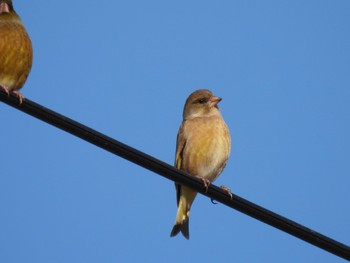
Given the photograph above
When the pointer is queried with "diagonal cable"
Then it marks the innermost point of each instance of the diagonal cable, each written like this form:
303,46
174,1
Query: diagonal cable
171,173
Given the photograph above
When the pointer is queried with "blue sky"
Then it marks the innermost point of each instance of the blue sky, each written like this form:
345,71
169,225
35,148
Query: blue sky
125,69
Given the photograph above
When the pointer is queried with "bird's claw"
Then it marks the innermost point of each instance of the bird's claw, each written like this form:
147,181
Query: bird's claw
206,183
227,191
5,89
19,95
16,92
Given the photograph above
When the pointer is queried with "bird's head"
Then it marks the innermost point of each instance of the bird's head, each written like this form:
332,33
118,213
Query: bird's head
6,7
201,103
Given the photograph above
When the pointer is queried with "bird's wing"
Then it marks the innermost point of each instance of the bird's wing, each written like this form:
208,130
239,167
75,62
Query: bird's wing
180,146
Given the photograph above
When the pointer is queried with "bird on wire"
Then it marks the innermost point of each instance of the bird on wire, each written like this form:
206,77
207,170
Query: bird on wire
16,53
202,150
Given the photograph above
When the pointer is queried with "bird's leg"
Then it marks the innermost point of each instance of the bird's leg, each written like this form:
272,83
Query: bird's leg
227,191
206,183
4,88
19,95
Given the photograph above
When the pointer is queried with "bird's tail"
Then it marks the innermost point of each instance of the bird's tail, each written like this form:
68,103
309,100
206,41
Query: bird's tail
181,224
183,212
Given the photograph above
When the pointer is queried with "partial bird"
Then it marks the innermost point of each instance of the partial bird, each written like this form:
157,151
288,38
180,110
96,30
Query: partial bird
202,150
16,52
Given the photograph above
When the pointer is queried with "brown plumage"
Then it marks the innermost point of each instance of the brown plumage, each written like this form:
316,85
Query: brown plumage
202,150
16,54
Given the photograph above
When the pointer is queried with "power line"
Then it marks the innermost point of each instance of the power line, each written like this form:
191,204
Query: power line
176,175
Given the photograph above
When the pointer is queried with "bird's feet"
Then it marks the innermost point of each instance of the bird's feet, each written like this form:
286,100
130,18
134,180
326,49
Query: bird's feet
16,92
206,183
19,95
5,89
227,191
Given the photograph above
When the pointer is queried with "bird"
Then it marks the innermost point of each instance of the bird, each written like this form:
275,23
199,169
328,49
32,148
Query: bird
16,51
202,150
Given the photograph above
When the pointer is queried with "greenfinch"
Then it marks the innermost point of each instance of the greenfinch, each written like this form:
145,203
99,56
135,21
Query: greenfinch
16,53
202,150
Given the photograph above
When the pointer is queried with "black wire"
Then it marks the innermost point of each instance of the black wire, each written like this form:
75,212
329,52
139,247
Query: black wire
178,176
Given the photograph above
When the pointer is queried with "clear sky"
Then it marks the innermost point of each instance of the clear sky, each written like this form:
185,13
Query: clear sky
125,68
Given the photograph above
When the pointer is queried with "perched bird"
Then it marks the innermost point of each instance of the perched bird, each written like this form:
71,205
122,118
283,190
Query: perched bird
16,53
202,150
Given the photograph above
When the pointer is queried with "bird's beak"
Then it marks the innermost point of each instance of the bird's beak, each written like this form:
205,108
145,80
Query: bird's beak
213,101
4,8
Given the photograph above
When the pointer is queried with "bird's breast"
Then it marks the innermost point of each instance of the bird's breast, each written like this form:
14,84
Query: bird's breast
207,148
16,54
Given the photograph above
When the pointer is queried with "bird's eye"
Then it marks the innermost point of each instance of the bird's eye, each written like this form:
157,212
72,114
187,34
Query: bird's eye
202,101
